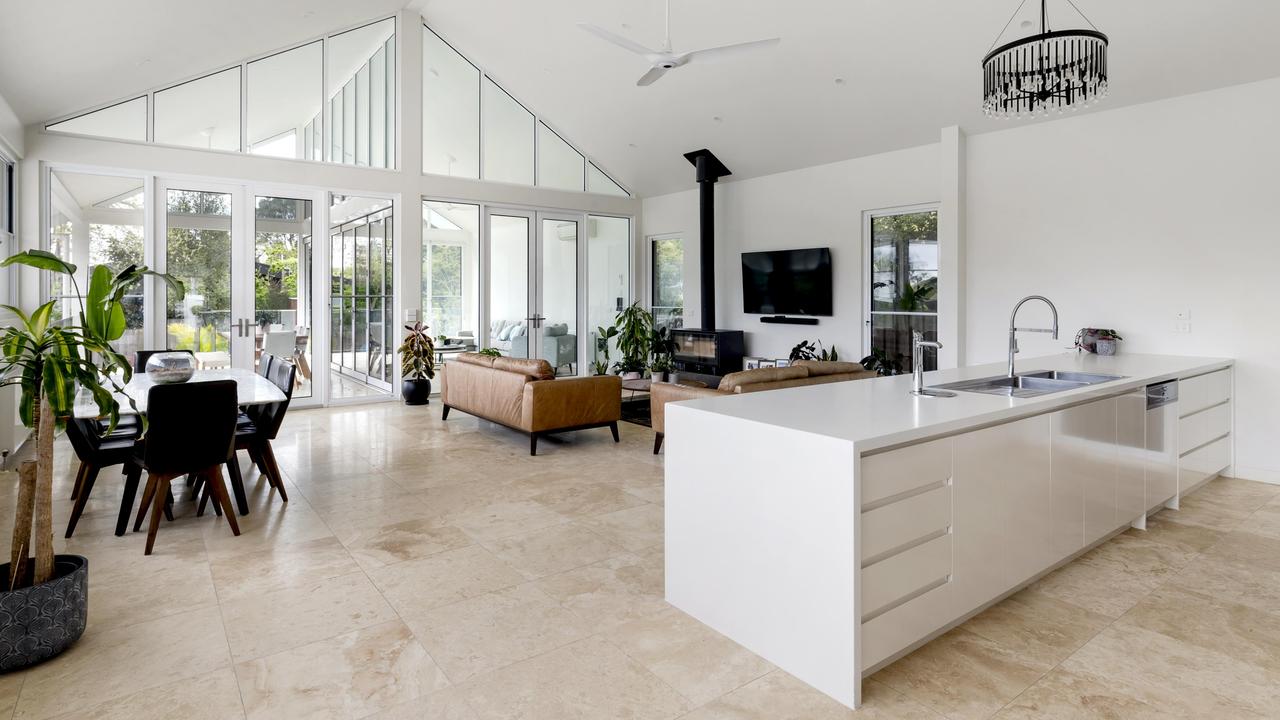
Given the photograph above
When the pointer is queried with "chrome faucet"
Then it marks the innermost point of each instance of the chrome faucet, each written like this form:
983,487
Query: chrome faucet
918,344
1014,329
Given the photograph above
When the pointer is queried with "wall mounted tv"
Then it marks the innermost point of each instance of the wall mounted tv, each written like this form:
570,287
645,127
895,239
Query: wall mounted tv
787,282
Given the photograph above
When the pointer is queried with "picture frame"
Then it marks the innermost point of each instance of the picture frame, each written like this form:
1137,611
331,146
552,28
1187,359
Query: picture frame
751,363
768,363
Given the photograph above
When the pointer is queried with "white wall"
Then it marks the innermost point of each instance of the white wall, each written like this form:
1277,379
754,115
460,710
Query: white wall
815,207
11,132
1124,218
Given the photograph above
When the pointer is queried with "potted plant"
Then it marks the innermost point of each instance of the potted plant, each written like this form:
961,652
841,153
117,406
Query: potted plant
600,366
809,351
490,352
883,363
44,598
663,349
417,365
635,330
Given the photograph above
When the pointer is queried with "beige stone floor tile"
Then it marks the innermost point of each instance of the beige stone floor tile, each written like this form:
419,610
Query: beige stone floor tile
256,572
1040,629
348,676
385,545
621,588
360,515
585,499
505,518
697,661
10,684
1237,631
1163,527
109,663
588,680
779,696
634,528
1244,494
214,696
120,600
1113,577
274,525
1183,679
338,494
1244,584
654,494
552,550
1265,521
961,675
416,586
1247,549
1064,695
490,631
447,704
1196,509
273,622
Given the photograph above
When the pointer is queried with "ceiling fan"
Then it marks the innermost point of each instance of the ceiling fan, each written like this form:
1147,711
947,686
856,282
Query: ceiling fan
665,59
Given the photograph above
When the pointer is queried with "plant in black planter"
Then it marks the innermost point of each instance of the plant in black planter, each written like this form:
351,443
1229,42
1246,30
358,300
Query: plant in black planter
44,598
600,366
663,349
635,331
417,365
883,363
809,351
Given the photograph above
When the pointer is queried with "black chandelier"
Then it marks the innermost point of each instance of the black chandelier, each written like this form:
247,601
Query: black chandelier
1052,70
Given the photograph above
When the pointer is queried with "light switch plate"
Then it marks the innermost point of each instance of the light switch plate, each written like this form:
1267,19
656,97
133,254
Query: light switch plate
410,315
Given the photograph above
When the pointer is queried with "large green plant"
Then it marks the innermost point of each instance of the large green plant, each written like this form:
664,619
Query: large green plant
48,358
635,331
417,353
600,366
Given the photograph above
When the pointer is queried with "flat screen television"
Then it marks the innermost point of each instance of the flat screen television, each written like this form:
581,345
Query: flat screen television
787,282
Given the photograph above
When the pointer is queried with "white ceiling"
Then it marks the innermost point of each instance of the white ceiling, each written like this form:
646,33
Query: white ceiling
909,67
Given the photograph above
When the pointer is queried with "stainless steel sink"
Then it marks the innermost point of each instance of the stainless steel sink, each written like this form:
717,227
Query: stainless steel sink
1032,384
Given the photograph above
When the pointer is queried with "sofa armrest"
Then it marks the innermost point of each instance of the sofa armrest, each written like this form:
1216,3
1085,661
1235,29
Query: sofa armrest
662,393
572,402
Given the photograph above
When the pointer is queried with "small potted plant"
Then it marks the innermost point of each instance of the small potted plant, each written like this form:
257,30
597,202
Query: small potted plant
663,348
44,598
417,365
635,331
600,366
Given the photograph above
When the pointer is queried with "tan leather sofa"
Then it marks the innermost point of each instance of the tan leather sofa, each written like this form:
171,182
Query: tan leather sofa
803,372
525,395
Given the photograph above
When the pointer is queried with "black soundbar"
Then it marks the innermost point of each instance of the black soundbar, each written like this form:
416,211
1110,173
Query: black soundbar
784,320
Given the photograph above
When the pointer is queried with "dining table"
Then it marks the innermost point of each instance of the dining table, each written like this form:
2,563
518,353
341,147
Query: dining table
251,389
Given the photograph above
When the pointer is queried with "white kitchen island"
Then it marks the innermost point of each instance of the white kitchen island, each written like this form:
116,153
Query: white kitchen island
833,528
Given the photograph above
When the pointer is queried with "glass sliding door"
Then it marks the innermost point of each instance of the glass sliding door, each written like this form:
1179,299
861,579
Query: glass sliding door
556,322
608,279
362,327
282,273
198,251
510,237
902,249
451,272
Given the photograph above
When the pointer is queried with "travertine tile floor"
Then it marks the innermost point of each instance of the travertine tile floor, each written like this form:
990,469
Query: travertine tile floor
429,570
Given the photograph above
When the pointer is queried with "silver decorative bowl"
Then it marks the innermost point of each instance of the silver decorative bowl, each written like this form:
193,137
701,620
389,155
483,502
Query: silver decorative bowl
171,367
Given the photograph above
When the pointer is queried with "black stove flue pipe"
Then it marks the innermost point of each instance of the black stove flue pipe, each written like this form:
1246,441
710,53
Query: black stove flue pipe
709,170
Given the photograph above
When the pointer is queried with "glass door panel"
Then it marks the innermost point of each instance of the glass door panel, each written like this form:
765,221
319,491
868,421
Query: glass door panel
198,242
282,284
361,297
903,284
556,321
509,242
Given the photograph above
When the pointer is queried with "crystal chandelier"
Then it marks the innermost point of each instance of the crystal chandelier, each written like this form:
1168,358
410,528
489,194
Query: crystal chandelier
1051,71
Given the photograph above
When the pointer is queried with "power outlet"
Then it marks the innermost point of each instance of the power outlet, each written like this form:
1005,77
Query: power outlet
1182,321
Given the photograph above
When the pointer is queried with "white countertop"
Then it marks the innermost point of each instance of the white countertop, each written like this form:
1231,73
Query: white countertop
879,412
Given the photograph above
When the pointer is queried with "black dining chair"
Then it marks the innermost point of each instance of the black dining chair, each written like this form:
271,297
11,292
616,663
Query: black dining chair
255,430
96,452
191,430
265,361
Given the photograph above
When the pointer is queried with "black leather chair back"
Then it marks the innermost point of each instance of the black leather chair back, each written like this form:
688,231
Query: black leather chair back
141,357
191,426
268,418
265,363
83,437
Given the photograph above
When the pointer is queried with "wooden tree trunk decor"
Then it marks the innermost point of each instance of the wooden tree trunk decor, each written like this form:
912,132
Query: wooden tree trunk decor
43,529
22,522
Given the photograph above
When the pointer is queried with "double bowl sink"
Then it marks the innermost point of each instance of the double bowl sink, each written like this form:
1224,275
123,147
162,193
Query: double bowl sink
1032,384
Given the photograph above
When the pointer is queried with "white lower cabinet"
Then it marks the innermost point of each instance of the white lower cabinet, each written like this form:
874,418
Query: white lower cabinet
1131,449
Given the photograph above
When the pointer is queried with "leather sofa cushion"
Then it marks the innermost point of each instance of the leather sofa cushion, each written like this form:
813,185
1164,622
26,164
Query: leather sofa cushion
532,369
733,381
820,367
476,359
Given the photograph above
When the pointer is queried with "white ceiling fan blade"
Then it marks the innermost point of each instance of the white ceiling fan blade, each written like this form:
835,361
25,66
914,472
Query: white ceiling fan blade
728,51
652,76
625,43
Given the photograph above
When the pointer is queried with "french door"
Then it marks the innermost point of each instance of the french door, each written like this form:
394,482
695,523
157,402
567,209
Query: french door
247,259
534,302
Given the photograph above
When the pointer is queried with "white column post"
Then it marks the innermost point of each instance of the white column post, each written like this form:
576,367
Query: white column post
951,248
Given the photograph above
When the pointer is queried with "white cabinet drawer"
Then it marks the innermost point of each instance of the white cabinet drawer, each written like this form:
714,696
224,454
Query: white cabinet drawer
1194,468
898,523
905,469
1202,427
1202,391
899,576
905,625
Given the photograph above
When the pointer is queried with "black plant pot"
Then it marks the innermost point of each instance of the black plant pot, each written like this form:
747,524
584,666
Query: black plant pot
416,392
37,623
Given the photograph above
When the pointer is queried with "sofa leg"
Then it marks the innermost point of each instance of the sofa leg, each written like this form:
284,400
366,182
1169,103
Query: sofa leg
613,427
533,444
445,414
657,442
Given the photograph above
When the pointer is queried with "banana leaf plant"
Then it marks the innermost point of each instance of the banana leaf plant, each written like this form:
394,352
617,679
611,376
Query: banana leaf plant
49,358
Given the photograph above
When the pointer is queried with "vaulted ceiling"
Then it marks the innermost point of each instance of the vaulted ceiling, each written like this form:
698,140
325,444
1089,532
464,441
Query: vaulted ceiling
907,67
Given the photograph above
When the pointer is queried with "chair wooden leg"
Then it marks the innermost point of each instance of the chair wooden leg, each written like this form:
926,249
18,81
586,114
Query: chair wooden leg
273,469
89,475
133,474
75,491
220,494
159,494
168,504
237,483
613,427
148,495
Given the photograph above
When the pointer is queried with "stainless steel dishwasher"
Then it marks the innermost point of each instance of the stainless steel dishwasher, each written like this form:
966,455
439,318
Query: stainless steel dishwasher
1161,468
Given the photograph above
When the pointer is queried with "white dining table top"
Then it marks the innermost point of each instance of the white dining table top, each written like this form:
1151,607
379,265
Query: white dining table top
251,389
